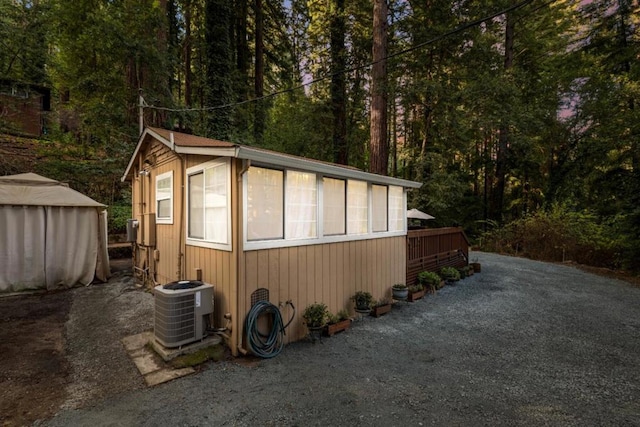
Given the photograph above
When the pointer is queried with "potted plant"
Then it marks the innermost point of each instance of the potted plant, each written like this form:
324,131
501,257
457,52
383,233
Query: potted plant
315,317
362,301
477,268
400,291
470,270
381,307
430,280
416,292
462,271
449,274
338,322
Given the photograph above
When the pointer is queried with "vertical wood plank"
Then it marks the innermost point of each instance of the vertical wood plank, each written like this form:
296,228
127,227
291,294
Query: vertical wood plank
274,275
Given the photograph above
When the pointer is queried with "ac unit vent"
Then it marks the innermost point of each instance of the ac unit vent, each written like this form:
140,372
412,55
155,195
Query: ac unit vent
180,314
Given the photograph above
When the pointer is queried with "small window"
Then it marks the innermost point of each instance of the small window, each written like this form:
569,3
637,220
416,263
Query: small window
334,206
265,202
164,198
357,207
302,205
379,206
397,210
208,201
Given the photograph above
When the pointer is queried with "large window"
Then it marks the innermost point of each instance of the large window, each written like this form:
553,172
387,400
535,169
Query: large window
302,205
379,208
164,198
357,207
334,206
397,211
285,208
265,201
208,203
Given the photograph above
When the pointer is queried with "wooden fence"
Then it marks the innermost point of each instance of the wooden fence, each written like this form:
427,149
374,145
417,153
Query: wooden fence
432,249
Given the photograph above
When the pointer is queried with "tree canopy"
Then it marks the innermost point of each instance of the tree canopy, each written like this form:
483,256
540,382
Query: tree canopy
501,109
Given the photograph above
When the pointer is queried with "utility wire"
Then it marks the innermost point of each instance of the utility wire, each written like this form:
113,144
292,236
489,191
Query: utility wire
356,68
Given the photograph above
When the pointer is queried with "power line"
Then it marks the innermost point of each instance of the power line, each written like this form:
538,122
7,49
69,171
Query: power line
356,68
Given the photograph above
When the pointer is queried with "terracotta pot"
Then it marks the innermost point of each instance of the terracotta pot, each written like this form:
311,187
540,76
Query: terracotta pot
380,310
415,296
334,328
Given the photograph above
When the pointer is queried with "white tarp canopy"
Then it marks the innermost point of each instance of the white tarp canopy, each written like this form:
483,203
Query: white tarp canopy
416,214
50,235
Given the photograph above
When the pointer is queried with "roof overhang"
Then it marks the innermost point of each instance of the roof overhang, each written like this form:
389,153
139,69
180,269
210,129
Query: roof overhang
283,160
268,157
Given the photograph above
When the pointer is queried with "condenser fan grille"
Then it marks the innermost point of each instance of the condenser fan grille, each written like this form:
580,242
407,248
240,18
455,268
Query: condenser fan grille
175,318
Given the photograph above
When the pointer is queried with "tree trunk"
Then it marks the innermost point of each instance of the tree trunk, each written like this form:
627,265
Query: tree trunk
187,53
218,17
379,146
338,86
259,73
503,136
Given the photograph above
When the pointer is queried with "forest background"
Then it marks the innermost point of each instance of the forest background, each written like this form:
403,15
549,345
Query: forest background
521,119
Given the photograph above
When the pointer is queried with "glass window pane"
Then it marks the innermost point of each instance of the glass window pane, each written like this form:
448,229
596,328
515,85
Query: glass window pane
265,199
379,205
215,191
302,205
164,208
396,209
196,205
164,202
334,206
357,207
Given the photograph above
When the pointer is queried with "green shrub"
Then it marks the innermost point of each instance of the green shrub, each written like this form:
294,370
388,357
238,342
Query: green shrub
315,315
450,273
117,216
558,235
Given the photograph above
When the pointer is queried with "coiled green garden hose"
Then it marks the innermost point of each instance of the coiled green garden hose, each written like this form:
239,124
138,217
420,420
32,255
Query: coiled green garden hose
271,344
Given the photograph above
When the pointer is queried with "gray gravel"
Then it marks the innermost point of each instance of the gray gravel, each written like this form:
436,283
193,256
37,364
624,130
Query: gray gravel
100,316
523,343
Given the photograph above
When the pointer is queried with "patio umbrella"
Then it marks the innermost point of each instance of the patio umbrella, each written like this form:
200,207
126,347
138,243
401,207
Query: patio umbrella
416,214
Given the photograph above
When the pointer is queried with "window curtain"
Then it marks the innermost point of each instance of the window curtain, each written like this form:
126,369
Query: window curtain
265,200
302,205
334,207
357,207
379,205
397,211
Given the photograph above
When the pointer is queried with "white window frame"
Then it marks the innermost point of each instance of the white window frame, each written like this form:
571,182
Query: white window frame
169,219
192,241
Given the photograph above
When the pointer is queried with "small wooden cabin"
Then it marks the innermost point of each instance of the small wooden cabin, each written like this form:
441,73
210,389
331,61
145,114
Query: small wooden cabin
246,218
23,107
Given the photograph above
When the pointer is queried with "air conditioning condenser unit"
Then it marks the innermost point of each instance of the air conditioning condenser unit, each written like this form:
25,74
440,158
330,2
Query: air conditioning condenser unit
181,312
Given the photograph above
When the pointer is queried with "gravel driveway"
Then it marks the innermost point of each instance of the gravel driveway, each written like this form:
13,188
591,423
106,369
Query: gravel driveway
523,343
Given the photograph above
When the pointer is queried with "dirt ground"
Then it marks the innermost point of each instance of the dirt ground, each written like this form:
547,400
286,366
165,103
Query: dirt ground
34,370
55,347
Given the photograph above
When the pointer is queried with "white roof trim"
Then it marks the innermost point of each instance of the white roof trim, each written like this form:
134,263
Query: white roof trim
273,158
277,159
146,132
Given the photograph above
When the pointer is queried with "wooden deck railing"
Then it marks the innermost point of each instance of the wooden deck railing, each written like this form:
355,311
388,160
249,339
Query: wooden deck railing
432,249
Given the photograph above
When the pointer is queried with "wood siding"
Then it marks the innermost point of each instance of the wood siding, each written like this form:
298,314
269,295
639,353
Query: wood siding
330,273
